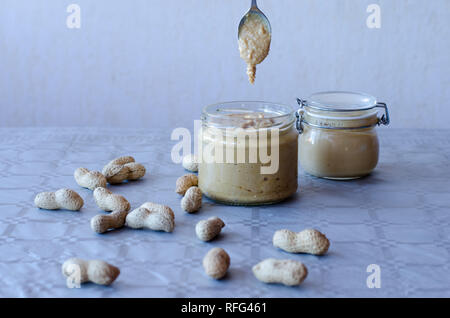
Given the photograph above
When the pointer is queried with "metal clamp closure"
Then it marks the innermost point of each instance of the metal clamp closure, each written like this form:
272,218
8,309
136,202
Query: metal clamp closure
384,119
299,114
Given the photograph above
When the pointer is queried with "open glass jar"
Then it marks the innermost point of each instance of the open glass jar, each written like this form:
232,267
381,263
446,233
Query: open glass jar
338,139
248,153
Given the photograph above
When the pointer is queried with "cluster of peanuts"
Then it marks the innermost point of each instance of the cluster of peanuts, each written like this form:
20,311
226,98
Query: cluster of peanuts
149,215
160,217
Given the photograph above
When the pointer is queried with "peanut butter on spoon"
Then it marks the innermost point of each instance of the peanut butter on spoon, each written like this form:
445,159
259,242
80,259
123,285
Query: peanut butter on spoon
254,39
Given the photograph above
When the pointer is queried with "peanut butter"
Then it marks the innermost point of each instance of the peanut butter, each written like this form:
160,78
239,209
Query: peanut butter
254,43
245,182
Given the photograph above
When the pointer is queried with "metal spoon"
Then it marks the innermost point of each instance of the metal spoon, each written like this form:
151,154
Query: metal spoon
254,10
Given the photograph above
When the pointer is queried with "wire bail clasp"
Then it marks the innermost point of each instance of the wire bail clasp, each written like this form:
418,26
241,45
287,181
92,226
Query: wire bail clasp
384,119
299,114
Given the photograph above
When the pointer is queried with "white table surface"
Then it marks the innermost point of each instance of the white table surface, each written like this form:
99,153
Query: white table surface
397,218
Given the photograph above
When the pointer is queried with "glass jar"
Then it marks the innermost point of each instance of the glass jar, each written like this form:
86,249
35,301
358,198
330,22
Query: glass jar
248,153
338,139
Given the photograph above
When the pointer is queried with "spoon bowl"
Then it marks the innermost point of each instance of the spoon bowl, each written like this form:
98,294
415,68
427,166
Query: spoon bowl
254,10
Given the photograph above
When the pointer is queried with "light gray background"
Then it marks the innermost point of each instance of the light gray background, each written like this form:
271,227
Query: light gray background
155,63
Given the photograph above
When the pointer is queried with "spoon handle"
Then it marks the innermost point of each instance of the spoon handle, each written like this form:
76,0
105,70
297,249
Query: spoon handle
254,4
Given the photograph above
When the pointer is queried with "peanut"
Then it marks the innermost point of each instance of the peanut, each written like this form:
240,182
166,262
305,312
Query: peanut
208,229
89,179
102,223
185,182
95,271
190,163
123,168
152,216
61,199
192,200
216,263
108,201
309,241
286,272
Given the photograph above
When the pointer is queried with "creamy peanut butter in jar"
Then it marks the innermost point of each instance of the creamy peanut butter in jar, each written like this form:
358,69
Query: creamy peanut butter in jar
338,138
249,153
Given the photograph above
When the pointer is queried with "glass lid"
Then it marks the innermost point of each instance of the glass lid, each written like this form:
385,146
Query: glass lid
340,101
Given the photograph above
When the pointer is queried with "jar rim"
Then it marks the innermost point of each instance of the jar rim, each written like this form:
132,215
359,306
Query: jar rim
217,110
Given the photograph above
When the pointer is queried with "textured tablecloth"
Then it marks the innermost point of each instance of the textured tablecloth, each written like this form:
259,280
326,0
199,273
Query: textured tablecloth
397,218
